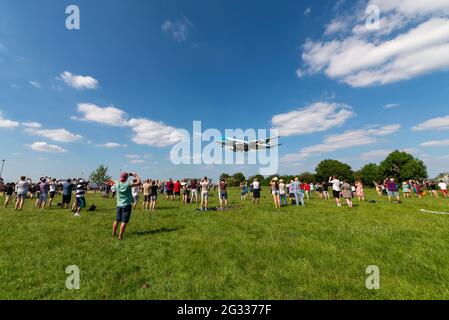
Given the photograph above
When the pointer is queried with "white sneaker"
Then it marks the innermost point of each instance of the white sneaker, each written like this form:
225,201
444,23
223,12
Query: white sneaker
77,215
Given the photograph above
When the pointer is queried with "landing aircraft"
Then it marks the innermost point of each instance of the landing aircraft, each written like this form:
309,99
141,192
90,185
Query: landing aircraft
236,145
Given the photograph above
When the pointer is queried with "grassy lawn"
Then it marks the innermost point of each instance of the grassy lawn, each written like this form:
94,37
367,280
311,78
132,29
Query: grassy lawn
251,252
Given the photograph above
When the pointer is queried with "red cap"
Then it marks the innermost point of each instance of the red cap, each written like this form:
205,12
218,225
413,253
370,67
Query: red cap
123,177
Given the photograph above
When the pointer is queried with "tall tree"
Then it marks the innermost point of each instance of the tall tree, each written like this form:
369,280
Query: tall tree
237,179
328,168
225,176
369,174
403,166
100,175
307,177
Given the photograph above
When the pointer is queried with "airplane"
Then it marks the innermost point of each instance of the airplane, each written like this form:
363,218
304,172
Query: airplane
236,145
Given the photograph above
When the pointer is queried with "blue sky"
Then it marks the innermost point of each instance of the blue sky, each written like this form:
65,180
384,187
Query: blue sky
309,68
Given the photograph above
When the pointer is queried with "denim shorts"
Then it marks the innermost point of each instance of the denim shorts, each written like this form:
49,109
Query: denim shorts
123,214
393,193
81,202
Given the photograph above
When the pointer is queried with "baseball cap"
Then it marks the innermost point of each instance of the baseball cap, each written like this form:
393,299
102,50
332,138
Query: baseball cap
123,177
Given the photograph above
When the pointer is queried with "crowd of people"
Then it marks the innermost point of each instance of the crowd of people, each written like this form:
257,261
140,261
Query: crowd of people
189,191
44,192
412,188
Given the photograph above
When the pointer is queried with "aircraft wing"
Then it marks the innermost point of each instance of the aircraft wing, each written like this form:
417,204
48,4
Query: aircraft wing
236,140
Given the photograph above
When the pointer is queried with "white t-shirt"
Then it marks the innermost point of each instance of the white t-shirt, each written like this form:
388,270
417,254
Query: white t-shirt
336,185
22,187
256,185
443,186
282,188
135,191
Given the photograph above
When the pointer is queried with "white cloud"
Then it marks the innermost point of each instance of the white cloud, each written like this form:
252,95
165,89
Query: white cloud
151,133
58,135
441,123
6,123
336,26
112,145
137,161
108,115
177,29
132,156
391,106
36,84
78,82
146,131
413,40
436,143
413,8
45,147
32,125
380,154
346,140
375,154
317,117
308,11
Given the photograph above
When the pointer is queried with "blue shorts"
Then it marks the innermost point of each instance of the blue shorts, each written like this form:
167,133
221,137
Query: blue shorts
43,197
123,214
81,202
393,194
223,196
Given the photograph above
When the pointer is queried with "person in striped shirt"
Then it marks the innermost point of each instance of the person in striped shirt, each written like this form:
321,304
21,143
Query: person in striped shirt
80,197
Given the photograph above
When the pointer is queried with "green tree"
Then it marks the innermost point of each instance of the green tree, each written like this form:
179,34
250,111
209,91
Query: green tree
100,175
328,168
307,177
237,179
369,174
224,176
403,166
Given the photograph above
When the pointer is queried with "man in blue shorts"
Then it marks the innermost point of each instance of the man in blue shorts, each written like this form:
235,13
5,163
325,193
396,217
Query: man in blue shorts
393,189
124,202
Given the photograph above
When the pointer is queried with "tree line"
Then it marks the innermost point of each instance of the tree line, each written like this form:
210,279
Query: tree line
400,165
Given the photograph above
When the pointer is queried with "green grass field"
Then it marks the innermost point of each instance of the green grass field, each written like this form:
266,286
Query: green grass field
252,252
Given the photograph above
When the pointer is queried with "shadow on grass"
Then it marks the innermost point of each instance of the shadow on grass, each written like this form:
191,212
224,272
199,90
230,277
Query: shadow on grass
157,231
